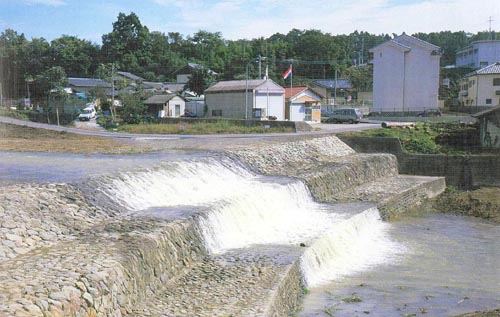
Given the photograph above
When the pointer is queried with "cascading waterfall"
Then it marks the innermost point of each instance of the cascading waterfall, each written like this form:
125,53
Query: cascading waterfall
241,208
349,246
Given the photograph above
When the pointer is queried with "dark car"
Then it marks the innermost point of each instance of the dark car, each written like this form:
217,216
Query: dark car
188,114
429,113
350,115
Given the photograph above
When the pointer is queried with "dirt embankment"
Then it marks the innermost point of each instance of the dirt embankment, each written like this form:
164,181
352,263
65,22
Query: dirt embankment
26,139
483,203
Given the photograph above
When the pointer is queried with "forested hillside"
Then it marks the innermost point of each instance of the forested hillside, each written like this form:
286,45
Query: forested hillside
155,56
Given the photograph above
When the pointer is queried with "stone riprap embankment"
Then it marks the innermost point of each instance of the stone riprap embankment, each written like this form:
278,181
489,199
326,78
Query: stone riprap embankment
34,216
62,256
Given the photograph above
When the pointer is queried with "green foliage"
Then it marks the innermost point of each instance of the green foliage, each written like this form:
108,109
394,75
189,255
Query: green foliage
133,108
107,122
199,127
16,114
428,137
200,79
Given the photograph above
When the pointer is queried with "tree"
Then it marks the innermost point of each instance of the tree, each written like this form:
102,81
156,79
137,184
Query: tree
361,77
129,44
200,79
52,82
76,56
12,63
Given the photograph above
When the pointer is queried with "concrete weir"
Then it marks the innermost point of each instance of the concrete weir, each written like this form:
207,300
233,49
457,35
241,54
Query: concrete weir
132,250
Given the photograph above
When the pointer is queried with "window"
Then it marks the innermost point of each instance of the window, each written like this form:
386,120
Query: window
496,81
258,113
216,113
488,101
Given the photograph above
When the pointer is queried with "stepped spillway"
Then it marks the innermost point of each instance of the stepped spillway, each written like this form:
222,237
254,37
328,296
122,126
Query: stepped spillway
204,236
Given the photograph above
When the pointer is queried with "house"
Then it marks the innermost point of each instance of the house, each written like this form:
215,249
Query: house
169,105
246,99
302,104
185,72
482,87
479,54
489,127
330,88
85,86
405,75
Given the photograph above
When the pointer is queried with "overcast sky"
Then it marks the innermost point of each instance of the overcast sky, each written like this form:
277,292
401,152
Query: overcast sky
248,19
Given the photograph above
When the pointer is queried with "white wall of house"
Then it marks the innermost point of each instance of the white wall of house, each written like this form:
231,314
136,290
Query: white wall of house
479,90
405,77
297,112
175,107
388,78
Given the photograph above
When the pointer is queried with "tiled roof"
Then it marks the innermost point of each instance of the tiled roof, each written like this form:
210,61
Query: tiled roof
130,76
490,69
290,92
235,85
159,99
88,82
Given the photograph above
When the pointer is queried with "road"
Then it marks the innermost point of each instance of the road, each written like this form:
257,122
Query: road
320,128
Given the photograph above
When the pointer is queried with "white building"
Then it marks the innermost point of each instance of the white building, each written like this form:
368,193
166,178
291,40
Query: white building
405,75
482,87
165,106
302,104
242,99
478,55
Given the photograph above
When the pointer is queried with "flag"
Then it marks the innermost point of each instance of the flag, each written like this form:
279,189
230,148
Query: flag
287,72
267,73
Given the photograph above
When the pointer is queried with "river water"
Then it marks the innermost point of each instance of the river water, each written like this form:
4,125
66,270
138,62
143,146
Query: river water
452,266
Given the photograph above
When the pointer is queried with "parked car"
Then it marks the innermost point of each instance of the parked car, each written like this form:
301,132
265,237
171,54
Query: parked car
430,113
351,115
188,114
87,114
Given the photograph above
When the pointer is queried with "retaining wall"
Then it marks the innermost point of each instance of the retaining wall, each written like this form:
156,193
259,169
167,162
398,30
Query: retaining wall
462,171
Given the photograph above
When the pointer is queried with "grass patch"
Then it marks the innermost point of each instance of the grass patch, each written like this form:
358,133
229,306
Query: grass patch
220,127
21,115
430,137
26,139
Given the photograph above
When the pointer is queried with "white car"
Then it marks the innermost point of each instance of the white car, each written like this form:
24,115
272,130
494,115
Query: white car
87,114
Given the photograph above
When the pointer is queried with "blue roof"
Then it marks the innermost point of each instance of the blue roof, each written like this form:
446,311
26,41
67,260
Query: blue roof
330,83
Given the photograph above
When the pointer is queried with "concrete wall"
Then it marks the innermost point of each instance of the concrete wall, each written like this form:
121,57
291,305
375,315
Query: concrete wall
462,171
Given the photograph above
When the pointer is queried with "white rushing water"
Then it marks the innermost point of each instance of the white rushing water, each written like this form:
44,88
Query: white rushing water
241,209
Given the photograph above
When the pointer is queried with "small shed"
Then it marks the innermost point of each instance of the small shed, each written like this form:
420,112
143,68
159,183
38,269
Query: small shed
169,105
489,127
302,104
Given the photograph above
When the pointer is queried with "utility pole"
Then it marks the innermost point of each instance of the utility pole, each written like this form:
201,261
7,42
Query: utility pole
490,35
